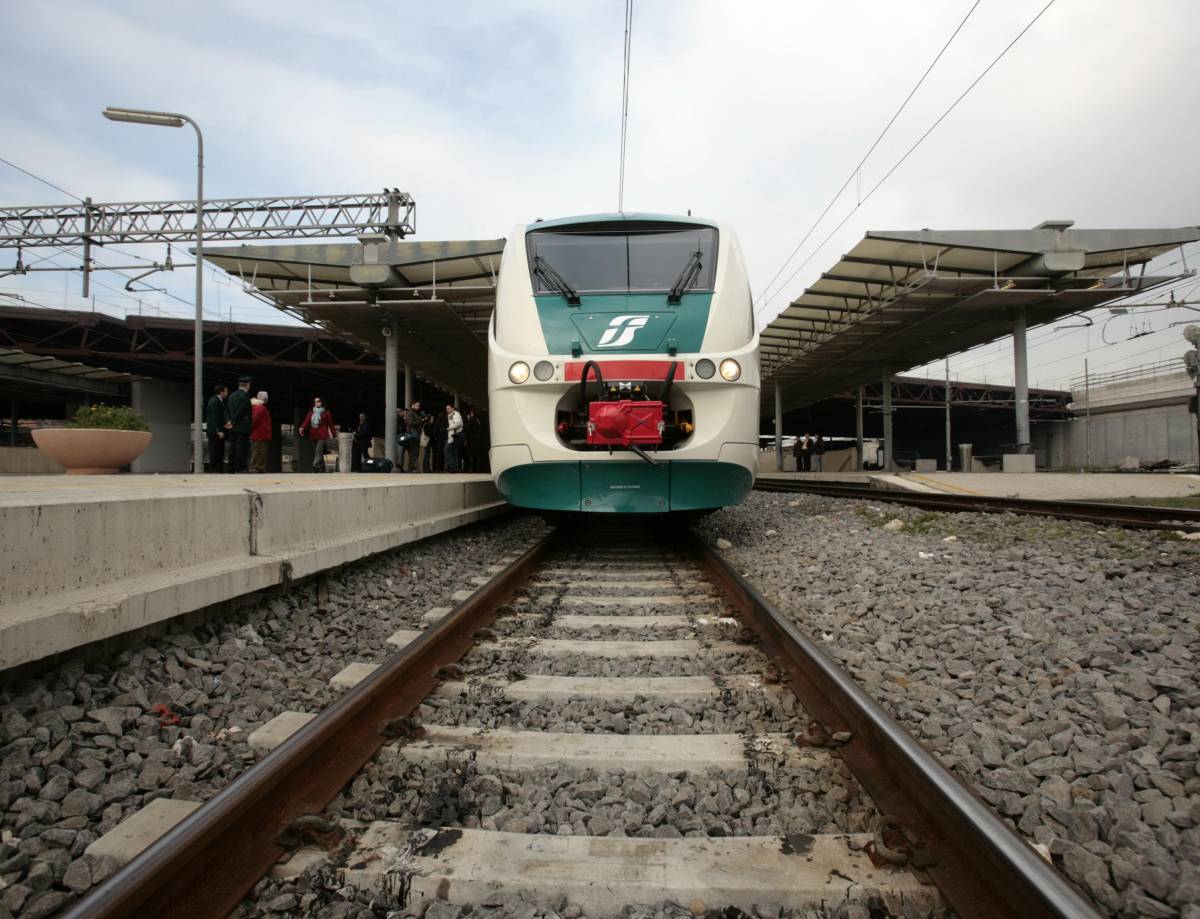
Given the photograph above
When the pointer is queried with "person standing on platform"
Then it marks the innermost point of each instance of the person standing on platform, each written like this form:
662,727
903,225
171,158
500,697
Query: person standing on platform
260,432
803,452
318,427
472,441
428,443
362,443
237,426
214,426
819,453
454,438
411,440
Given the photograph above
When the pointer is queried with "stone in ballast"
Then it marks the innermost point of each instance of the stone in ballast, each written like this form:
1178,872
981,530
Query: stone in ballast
128,838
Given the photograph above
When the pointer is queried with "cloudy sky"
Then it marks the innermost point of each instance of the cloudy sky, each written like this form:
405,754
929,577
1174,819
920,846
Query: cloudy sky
493,114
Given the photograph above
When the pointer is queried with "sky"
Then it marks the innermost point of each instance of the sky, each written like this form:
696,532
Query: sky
494,114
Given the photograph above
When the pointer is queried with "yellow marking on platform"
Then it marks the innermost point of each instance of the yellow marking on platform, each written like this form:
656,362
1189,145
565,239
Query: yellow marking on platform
936,484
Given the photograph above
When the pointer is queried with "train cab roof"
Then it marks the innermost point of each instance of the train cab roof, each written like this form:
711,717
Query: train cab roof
620,218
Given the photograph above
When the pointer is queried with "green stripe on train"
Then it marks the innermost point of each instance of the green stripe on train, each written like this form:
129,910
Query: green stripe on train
650,326
633,487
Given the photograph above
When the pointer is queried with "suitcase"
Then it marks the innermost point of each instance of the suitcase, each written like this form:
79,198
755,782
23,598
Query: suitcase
380,464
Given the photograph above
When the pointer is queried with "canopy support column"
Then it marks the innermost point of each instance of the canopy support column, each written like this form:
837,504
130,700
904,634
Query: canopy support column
949,454
778,428
391,361
408,385
858,429
888,462
1021,381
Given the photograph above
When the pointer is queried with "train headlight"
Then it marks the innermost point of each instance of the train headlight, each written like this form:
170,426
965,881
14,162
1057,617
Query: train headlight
705,368
543,370
730,369
518,372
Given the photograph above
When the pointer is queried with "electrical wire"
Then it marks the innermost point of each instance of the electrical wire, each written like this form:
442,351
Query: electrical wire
857,170
953,105
625,102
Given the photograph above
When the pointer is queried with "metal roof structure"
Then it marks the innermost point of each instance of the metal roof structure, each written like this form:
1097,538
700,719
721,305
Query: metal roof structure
902,299
436,295
22,371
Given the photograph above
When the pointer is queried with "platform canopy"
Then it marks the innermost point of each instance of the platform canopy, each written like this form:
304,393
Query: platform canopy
34,374
900,299
437,296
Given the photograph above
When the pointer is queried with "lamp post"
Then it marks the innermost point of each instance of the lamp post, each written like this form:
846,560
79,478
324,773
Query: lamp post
173,120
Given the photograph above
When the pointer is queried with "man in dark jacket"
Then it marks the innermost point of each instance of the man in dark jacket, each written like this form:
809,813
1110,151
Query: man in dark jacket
214,427
362,443
238,428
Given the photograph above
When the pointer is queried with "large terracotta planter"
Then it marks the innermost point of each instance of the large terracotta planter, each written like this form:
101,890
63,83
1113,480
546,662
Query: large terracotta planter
91,451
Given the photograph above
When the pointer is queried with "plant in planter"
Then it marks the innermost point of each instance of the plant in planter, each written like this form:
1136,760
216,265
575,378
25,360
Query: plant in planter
99,439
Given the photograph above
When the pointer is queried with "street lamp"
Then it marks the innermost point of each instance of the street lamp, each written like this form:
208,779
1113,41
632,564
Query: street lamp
173,120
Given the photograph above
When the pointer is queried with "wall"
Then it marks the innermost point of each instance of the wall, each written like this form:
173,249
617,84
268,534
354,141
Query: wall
26,461
168,408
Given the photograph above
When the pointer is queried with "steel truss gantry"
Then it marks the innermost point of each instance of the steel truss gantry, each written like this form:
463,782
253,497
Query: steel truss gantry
390,213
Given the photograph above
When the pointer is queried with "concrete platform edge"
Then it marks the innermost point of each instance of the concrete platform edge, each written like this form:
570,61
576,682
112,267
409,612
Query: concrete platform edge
36,630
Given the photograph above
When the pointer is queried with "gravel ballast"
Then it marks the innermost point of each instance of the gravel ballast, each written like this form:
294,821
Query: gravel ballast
88,744
1051,664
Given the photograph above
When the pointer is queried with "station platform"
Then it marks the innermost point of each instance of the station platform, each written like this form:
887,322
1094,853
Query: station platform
1048,486
88,558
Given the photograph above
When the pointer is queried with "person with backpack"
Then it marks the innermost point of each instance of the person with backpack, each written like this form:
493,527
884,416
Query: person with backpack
318,427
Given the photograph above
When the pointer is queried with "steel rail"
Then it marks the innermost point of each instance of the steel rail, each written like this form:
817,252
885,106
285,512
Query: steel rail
981,866
1123,515
211,859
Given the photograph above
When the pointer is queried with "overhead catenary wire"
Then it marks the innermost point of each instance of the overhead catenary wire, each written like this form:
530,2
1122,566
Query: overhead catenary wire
912,149
857,170
625,103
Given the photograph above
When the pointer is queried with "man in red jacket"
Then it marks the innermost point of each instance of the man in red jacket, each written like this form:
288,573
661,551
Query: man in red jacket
318,427
260,432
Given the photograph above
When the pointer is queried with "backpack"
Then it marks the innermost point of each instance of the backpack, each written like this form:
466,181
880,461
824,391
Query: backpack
377,464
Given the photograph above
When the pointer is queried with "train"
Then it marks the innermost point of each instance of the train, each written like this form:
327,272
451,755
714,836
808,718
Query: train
623,371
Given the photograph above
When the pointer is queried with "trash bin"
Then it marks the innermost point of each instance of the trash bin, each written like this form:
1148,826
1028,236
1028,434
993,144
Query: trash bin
965,452
345,450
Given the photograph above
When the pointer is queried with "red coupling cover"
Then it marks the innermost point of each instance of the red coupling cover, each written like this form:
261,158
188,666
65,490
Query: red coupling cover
624,423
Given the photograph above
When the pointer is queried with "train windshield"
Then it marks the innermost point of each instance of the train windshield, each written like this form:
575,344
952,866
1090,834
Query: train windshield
620,259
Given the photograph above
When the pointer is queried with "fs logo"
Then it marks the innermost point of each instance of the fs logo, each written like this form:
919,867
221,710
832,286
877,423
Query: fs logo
621,330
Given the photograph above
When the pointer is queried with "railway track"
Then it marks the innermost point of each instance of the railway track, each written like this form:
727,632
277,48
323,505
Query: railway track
1119,515
713,756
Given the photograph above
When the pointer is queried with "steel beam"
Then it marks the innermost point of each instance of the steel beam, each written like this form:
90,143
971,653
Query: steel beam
391,213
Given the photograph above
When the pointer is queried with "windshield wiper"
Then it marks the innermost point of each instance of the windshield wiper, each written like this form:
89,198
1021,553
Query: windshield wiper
555,281
686,277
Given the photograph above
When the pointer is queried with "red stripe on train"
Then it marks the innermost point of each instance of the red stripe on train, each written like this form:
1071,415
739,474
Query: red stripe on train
623,370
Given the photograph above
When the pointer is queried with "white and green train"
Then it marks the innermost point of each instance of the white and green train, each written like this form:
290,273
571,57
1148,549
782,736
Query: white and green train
623,371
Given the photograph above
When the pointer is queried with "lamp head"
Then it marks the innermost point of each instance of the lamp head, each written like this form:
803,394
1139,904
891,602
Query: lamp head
1192,334
140,116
